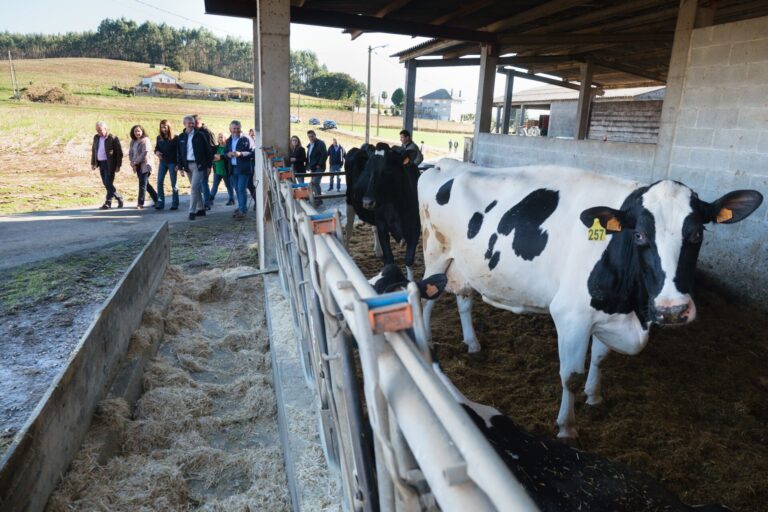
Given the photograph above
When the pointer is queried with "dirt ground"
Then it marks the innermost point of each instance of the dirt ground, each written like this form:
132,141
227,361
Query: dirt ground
204,435
45,307
691,409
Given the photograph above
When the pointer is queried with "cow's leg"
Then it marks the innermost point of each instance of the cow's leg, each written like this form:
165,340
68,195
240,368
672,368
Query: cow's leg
377,243
426,311
572,342
410,256
350,226
465,314
593,390
383,237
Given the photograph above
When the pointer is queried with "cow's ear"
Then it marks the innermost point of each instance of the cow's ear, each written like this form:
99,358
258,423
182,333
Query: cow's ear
612,220
433,286
409,156
734,206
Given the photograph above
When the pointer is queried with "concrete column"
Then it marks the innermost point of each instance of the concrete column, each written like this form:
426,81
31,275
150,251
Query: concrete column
256,85
273,33
686,20
507,103
585,101
498,120
489,57
409,105
520,118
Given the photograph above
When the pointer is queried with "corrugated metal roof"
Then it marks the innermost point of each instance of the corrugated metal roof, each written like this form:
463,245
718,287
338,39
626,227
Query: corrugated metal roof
549,93
439,94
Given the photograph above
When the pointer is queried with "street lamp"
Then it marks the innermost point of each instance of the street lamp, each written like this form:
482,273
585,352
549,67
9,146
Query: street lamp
368,95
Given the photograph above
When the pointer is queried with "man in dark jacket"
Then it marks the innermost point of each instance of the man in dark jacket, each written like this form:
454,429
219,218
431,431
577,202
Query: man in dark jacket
336,161
195,156
107,156
206,188
317,154
238,151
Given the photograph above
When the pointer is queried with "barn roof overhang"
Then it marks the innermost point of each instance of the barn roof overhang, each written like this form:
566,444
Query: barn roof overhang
629,41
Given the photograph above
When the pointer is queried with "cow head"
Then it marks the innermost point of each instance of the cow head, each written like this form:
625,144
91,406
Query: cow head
657,235
385,171
392,279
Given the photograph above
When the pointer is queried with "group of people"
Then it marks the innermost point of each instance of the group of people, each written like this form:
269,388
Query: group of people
193,152
314,158
453,145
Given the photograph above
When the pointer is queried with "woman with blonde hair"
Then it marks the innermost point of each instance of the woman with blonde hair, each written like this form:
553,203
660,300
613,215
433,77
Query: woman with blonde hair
139,156
165,149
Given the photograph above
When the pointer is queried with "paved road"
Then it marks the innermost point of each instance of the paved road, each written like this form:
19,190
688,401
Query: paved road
40,235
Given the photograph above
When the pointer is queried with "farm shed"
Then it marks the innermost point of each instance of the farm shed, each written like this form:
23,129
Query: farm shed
713,130
618,115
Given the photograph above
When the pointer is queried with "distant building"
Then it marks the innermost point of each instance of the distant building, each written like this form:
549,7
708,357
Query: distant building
161,77
439,105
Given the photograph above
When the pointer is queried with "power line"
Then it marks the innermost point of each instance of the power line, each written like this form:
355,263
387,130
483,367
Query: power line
166,11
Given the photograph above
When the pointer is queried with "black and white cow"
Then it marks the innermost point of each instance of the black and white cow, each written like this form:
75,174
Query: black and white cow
381,188
392,279
537,240
558,477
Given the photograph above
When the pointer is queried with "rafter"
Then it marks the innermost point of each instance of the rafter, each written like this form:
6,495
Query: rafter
466,9
395,5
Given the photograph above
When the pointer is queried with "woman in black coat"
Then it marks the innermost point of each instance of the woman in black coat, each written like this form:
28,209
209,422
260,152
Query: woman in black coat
298,157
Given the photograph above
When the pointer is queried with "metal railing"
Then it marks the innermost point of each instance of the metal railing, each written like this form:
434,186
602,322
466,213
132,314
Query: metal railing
404,443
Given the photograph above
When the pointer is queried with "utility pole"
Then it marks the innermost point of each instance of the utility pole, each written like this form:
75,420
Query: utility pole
298,106
14,83
378,114
368,96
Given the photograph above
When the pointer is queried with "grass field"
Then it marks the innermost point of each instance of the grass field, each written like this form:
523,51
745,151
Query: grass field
45,153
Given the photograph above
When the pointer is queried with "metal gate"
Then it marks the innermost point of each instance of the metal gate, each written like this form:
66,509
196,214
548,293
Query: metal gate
404,443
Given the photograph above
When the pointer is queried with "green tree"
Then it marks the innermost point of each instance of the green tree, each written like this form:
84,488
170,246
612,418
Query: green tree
335,86
398,96
179,64
305,66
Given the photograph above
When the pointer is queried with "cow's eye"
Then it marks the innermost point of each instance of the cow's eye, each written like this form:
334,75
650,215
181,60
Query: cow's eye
641,238
696,237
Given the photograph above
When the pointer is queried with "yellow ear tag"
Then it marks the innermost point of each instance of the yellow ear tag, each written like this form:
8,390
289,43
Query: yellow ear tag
724,214
596,233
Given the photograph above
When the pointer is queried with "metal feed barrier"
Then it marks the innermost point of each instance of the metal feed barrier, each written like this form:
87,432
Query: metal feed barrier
404,444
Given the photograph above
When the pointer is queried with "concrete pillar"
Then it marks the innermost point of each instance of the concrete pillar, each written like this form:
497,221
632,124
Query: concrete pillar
489,57
498,120
409,105
520,118
686,20
256,85
273,33
507,103
585,101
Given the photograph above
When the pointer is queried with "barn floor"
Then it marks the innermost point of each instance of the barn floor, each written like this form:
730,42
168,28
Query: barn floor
691,409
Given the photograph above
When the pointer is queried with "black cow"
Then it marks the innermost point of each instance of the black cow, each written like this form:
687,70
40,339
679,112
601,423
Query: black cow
382,190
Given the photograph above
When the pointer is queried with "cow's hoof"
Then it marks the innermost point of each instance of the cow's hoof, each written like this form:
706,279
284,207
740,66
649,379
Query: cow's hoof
568,435
473,347
595,400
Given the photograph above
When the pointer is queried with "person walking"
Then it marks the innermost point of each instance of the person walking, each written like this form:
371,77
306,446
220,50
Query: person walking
239,151
165,149
407,143
317,154
194,156
298,158
206,188
455,145
450,145
336,157
107,157
221,171
139,155
251,185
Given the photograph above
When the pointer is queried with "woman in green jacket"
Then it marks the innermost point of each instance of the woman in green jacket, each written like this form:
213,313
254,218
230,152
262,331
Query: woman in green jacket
221,171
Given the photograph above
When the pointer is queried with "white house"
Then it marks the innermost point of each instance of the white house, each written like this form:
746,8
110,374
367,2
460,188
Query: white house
161,77
439,105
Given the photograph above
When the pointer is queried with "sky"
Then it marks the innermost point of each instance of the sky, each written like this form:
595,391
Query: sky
334,49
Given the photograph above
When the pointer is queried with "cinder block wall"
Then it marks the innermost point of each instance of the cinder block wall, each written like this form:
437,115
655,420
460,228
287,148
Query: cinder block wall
721,144
631,161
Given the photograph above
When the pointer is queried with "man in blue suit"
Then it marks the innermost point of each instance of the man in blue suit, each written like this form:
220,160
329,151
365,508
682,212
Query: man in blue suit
239,151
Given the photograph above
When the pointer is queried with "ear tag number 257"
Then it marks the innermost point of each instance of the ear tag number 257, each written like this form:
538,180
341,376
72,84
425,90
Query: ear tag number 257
596,233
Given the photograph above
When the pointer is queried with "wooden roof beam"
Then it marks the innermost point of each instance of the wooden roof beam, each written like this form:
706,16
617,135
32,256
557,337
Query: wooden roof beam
601,38
546,80
503,61
597,15
393,6
334,19
631,70
466,9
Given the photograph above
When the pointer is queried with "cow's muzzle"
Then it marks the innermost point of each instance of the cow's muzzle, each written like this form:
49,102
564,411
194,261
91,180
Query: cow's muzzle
678,314
369,203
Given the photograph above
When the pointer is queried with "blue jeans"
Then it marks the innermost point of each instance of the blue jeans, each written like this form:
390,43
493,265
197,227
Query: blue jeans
335,168
205,188
241,185
144,186
218,179
161,172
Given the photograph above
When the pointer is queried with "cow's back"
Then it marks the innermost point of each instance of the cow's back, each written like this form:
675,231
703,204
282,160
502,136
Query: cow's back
513,234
